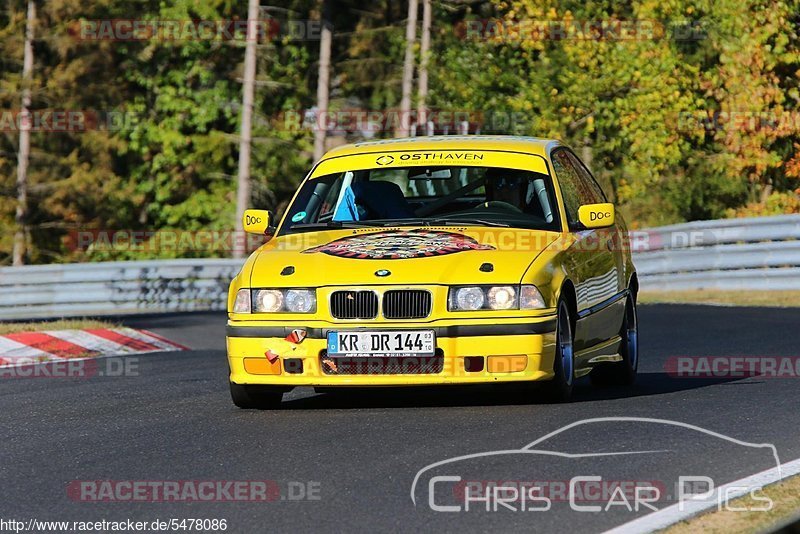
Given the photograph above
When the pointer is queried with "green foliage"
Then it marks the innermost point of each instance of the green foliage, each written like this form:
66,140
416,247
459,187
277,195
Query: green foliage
641,106
172,161
678,125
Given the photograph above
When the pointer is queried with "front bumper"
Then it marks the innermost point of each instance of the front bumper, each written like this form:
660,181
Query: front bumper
508,351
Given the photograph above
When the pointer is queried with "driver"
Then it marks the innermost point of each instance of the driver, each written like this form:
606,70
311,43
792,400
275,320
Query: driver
505,188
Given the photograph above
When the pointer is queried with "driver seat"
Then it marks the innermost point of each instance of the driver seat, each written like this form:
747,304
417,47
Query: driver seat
384,200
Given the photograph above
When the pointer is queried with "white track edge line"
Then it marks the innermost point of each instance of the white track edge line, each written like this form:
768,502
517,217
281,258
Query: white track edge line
673,514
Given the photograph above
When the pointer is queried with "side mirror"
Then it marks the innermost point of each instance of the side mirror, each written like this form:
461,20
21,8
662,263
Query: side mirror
596,215
256,221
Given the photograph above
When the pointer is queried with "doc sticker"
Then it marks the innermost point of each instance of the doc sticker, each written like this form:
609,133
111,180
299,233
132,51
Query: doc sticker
299,216
397,245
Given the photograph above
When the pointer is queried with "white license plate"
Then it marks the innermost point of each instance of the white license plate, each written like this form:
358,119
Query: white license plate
386,344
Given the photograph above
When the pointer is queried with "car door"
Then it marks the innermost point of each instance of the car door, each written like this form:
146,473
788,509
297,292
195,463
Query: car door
591,260
614,234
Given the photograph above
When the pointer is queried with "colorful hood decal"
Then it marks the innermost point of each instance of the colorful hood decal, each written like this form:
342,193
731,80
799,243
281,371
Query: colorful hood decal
399,245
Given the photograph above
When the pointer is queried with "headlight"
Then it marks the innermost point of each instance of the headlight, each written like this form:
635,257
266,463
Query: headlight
242,302
471,298
267,300
284,300
502,297
301,301
468,298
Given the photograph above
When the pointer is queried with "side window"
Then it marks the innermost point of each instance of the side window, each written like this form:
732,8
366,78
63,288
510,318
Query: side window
589,188
569,182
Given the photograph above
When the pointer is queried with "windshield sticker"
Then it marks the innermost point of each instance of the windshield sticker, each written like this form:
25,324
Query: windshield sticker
399,245
387,159
442,156
299,216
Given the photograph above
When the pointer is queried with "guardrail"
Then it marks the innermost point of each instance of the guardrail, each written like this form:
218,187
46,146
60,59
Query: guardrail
761,254
115,288
730,254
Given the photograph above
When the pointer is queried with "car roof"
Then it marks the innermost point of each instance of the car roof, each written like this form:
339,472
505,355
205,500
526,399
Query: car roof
510,143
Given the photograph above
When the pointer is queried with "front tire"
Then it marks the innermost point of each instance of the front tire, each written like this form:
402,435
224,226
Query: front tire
249,397
622,373
559,389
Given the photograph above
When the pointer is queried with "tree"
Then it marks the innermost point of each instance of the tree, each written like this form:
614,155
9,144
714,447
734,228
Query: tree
694,117
20,237
402,129
424,51
639,101
323,80
246,128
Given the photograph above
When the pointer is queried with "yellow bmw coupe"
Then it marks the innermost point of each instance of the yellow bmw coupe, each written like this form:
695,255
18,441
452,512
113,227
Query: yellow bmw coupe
436,260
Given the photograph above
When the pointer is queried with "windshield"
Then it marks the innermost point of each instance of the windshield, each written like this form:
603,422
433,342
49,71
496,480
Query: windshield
422,196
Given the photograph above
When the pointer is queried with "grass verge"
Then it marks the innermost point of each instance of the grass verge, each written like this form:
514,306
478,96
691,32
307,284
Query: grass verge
64,324
785,496
781,299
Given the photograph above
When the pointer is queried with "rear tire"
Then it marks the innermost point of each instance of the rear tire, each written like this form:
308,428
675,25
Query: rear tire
251,397
559,389
622,373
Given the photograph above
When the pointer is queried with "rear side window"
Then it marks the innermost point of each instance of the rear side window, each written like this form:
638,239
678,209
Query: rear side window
589,189
577,186
569,182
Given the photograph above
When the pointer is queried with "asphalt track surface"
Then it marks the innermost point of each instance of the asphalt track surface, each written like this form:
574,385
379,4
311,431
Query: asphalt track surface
361,450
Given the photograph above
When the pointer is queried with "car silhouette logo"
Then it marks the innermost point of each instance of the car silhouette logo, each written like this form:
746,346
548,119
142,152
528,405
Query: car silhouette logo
382,272
384,160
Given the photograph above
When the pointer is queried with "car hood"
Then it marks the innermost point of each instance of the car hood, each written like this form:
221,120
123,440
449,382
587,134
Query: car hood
447,255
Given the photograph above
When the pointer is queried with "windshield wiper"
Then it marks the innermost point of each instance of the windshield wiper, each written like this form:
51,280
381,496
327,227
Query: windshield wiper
446,222
437,221
335,224
481,222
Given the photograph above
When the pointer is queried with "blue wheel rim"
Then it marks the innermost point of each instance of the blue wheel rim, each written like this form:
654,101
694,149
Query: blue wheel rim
633,338
565,345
